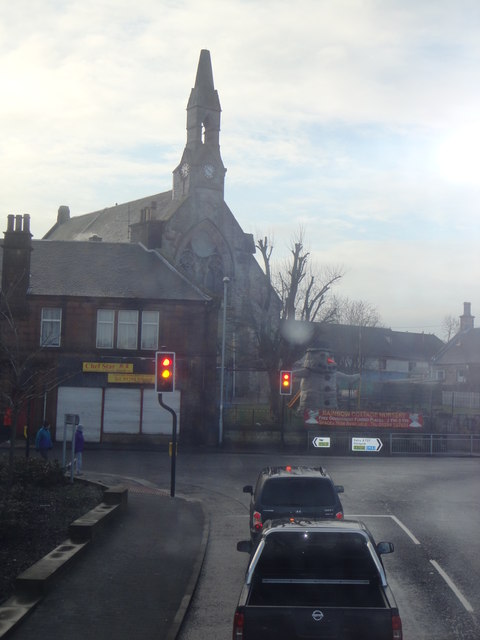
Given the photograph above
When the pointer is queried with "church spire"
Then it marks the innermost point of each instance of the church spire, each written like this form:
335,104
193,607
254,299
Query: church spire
203,109
201,165
204,79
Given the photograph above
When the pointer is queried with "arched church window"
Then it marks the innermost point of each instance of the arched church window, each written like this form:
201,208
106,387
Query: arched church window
214,276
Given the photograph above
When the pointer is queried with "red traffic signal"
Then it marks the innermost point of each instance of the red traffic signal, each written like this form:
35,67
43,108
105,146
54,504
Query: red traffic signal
164,372
285,383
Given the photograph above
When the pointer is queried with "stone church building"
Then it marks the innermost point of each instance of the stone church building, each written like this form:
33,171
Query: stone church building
193,229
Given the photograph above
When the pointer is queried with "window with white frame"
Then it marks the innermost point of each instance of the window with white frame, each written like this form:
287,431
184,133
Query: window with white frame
440,374
127,334
51,327
149,339
105,328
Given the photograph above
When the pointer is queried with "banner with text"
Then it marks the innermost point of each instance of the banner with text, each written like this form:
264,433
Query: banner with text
367,419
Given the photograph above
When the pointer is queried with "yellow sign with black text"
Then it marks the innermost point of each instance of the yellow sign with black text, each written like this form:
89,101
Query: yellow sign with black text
133,378
107,367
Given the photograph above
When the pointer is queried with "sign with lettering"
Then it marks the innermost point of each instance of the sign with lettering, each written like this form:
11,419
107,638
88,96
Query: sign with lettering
131,378
107,367
368,419
366,444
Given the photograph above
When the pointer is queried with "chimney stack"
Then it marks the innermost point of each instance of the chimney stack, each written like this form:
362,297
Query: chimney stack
63,214
466,320
17,248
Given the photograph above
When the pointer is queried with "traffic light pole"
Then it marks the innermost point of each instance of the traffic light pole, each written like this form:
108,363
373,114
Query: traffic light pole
174,443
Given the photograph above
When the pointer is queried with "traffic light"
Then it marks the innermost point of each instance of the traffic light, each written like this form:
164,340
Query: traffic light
164,372
285,383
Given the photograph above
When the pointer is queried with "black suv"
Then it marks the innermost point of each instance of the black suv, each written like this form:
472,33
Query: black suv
292,492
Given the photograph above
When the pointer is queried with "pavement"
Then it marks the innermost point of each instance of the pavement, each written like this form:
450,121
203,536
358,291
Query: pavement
134,579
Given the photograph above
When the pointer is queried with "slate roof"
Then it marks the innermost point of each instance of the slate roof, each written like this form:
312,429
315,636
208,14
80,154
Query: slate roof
376,342
106,269
112,223
464,348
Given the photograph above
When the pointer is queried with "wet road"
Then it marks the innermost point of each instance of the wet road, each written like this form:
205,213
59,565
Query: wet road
429,508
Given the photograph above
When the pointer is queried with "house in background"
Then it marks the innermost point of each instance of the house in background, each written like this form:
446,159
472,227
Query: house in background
96,313
457,364
379,354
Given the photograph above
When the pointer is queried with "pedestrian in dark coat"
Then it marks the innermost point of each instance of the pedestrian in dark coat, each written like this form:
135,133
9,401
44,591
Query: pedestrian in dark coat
43,441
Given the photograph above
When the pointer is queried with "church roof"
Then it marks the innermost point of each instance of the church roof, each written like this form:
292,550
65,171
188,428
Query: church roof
113,223
107,270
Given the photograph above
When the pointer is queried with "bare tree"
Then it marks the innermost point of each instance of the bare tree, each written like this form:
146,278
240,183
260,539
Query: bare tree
303,292
302,286
450,327
24,375
358,313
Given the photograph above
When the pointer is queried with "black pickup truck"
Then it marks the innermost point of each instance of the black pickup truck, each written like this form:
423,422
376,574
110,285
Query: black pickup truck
316,579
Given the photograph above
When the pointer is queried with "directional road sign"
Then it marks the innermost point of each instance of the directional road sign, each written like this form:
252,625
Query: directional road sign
321,442
366,444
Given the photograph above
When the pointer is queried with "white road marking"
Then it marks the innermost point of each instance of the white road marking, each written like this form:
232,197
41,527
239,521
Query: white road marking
466,604
453,587
406,529
395,519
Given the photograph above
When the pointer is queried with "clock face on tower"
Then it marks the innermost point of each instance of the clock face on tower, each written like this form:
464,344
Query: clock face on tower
208,171
185,169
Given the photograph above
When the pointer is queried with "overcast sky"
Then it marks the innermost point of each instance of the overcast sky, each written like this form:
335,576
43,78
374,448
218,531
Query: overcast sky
356,120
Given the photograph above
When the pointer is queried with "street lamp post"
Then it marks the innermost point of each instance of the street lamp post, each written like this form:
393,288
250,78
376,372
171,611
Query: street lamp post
222,370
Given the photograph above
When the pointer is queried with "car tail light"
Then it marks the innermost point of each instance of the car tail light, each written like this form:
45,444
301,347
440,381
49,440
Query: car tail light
288,468
257,520
396,628
238,623
339,515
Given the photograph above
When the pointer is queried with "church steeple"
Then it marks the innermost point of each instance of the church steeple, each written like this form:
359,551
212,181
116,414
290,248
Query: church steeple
201,164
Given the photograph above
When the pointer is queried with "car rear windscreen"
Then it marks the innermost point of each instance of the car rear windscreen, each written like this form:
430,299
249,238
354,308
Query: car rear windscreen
321,555
301,492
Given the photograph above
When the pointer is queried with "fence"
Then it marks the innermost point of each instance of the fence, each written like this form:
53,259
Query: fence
435,444
423,444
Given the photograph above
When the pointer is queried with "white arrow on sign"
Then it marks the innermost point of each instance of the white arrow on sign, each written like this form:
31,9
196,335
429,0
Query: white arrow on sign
366,444
321,442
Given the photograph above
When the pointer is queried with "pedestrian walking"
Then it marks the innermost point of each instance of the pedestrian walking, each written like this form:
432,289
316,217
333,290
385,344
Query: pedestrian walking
79,444
43,441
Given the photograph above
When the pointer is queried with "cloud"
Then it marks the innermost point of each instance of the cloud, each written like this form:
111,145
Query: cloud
352,119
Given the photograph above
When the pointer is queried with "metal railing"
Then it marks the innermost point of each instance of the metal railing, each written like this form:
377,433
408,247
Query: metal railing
435,444
423,444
